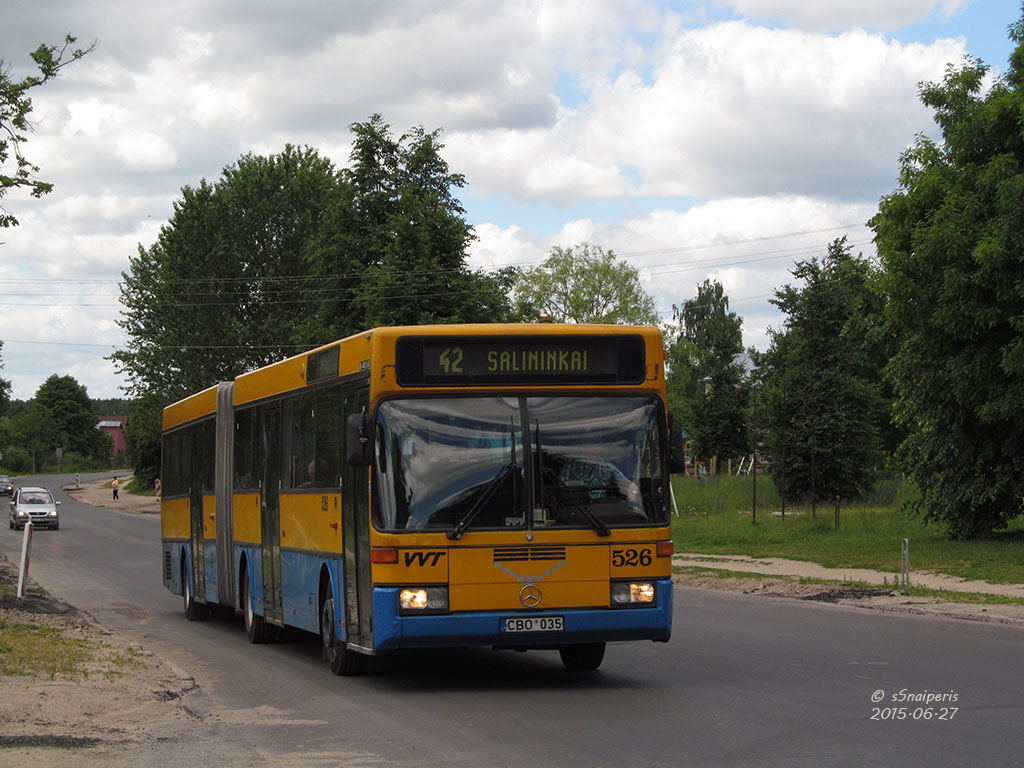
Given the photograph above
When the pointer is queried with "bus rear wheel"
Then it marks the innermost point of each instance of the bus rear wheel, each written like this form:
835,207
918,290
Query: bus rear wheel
341,660
582,657
256,629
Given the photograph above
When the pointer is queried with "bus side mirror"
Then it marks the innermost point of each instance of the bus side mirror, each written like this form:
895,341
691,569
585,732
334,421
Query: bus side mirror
676,449
359,440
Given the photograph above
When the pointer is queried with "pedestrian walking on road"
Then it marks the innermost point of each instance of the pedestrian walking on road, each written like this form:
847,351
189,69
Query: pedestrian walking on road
114,486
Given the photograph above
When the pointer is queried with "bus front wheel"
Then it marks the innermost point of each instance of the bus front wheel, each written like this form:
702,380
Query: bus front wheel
582,657
342,660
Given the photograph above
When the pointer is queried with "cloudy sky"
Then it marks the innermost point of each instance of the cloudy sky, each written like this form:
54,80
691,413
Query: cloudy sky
698,139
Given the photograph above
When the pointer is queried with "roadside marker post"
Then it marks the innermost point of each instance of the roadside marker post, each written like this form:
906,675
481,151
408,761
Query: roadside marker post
158,489
78,482
26,547
905,575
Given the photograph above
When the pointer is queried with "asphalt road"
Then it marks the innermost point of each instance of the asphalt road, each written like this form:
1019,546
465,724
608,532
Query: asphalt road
745,681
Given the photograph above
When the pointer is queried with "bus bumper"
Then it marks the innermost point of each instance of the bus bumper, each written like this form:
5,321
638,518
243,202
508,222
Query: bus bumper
581,625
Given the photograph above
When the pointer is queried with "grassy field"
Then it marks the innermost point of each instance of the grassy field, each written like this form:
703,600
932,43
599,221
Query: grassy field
133,487
30,649
715,518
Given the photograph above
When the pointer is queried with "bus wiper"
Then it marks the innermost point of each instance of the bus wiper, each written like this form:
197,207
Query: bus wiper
461,526
492,487
578,501
595,521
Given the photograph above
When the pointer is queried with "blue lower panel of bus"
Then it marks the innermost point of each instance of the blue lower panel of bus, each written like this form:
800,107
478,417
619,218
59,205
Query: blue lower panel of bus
300,584
581,625
210,573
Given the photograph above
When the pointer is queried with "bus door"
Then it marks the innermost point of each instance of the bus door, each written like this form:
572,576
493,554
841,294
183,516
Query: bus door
195,507
270,511
356,526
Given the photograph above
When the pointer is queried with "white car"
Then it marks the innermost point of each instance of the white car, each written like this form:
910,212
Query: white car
35,504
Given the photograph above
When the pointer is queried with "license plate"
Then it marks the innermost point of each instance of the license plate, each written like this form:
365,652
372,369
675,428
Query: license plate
533,624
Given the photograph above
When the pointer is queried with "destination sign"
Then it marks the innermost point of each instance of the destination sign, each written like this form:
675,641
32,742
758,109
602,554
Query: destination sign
425,361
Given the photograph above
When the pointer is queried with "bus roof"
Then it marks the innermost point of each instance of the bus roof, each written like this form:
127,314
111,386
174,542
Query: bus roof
352,356
190,408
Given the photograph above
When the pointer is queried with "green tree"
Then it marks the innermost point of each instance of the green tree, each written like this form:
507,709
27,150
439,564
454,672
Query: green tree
34,438
394,250
706,381
223,289
951,239
5,386
821,398
680,380
15,109
142,434
586,284
65,402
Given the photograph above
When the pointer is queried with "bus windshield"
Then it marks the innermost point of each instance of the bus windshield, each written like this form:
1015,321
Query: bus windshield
472,463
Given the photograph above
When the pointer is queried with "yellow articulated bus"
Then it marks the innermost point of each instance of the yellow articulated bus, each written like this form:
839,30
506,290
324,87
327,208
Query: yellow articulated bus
432,486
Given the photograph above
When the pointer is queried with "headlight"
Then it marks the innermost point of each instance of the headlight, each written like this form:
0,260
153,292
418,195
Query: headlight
21,513
53,513
423,599
632,593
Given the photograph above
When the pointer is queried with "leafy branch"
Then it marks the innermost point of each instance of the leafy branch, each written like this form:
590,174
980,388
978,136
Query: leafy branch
15,108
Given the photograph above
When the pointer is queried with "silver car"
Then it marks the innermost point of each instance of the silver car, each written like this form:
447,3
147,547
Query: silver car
6,486
35,504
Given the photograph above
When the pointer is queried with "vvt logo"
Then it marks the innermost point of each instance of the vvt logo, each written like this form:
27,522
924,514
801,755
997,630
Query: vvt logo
424,558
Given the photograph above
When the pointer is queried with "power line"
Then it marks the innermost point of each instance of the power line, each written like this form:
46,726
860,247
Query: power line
741,242
357,275
272,297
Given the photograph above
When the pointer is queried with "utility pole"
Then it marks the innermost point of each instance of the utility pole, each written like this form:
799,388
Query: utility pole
753,466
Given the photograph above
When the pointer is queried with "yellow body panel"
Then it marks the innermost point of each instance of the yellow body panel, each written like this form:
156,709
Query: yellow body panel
311,521
174,519
193,407
275,379
505,597
246,511
491,578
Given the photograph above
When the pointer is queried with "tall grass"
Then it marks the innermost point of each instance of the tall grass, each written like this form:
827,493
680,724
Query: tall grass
716,517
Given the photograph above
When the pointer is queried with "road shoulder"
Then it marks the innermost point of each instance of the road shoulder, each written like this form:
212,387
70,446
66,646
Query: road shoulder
859,588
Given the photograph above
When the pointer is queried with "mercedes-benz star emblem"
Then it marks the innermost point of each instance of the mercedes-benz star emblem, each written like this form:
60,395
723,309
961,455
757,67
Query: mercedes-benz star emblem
530,595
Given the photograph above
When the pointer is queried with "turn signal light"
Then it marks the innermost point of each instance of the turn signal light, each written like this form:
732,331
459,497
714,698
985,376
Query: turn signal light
384,555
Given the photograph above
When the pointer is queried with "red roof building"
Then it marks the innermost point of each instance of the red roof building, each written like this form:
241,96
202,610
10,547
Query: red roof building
114,426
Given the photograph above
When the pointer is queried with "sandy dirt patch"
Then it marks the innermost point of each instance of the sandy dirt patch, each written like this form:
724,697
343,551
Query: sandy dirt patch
123,707
775,566
779,578
97,494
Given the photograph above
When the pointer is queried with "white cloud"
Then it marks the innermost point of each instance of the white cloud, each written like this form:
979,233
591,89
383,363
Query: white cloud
145,151
840,14
728,109
498,247
89,117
